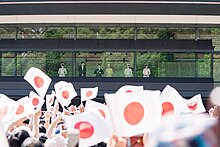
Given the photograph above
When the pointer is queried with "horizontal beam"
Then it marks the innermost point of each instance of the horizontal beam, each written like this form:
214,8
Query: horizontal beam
109,7
97,45
109,19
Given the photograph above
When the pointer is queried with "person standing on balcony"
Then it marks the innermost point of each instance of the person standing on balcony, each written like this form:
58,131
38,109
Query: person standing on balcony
82,70
99,72
62,71
146,71
128,71
109,71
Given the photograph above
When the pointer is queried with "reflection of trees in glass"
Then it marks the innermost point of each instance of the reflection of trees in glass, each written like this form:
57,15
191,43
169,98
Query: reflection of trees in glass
26,60
53,58
151,59
203,65
52,63
118,62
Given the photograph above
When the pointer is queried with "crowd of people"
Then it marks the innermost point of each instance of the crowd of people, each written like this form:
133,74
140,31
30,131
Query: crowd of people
47,128
55,127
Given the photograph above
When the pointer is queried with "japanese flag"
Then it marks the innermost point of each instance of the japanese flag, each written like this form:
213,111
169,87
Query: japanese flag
91,126
194,105
50,100
4,141
129,89
88,93
36,100
7,112
101,108
65,92
134,113
172,101
4,99
24,109
38,80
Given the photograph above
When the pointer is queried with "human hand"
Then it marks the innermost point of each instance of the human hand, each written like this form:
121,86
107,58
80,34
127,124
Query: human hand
214,112
72,108
117,142
81,108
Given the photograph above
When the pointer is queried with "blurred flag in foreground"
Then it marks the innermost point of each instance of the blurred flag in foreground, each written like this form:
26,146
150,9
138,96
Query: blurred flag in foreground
3,140
172,101
215,96
92,128
195,105
24,109
129,89
103,109
38,80
134,113
186,130
7,113
88,93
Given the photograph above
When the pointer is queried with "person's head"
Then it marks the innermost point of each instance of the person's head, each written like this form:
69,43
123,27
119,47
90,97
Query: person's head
109,65
42,129
56,141
128,65
32,142
82,64
16,138
62,65
43,137
99,66
145,66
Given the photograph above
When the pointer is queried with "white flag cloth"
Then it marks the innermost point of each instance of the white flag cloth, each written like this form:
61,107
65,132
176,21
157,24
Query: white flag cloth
38,80
92,128
134,113
65,92
24,109
214,96
4,99
7,113
50,100
194,105
88,93
129,89
3,140
172,102
36,101
103,109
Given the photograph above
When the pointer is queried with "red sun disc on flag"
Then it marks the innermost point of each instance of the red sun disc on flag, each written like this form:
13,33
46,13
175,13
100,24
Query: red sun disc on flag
85,128
35,101
88,93
128,91
20,109
102,112
192,106
133,113
3,111
65,94
38,81
167,108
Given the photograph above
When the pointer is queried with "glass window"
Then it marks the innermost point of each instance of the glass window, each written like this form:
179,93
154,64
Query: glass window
26,60
8,64
216,67
203,64
54,61
117,61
